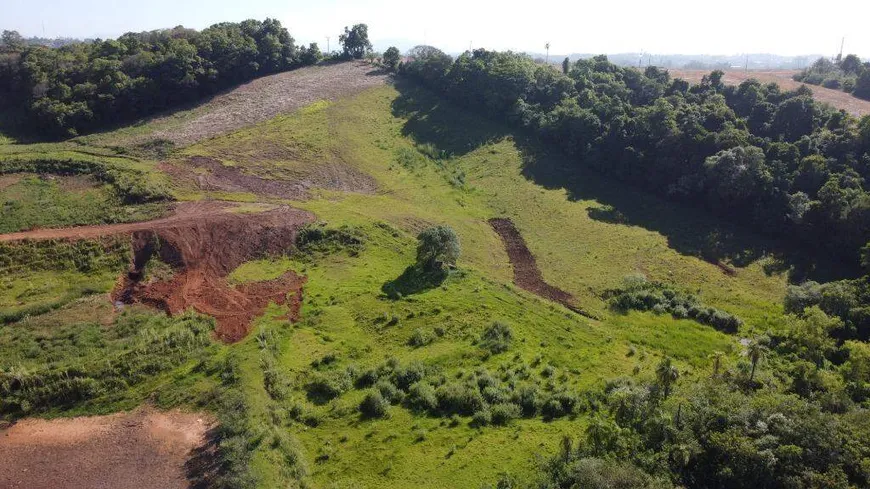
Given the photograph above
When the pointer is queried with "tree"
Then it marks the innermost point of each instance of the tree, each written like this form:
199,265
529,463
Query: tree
566,65
310,55
437,247
666,374
355,41
12,41
756,350
851,65
862,85
392,57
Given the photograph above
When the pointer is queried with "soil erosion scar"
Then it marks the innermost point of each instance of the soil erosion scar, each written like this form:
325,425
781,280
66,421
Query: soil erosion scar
526,273
202,254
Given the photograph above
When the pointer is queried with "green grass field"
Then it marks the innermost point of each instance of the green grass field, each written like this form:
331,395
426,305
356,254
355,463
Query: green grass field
433,164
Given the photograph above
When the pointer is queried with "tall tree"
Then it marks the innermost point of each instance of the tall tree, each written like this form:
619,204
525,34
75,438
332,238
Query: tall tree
355,41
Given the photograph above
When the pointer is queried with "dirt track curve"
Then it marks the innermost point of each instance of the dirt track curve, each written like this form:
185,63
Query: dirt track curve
527,275
203,243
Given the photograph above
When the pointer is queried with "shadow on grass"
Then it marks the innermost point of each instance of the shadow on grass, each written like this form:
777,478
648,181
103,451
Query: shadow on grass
413,280
431,119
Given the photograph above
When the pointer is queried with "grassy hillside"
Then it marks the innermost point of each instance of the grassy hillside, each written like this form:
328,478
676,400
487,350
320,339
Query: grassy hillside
434,164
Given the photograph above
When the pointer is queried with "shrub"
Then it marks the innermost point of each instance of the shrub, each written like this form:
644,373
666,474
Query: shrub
420,337
415,371
458,398
481,417
503,413
421,397
497,338
527,399
390,392
374,405
329,386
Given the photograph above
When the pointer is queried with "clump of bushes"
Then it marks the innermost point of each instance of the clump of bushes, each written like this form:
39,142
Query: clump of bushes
317,238
639,294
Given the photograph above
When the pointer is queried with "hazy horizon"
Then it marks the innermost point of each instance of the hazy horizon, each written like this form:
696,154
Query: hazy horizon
661,28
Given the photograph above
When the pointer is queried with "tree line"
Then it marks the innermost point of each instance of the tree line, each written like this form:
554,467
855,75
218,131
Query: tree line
848,74
83,86
753,153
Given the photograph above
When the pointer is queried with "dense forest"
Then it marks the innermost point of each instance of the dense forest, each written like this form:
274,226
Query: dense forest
83,86
848,74
776,160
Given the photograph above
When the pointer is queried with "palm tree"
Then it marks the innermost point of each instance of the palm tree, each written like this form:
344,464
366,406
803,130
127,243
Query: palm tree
667,374
756,350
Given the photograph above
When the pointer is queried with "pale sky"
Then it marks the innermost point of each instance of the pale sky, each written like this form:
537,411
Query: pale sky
787,28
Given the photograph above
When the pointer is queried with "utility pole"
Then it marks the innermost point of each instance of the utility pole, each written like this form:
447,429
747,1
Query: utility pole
842,43
327,45
548,51
746,65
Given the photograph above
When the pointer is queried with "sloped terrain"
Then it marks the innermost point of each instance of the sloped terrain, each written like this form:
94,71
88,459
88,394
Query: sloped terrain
264,98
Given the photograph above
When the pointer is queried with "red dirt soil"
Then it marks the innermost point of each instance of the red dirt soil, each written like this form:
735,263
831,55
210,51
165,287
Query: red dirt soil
203,243
526,273
146,449
783,78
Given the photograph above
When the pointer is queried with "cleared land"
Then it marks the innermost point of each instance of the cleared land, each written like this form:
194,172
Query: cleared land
263,99
145,449
783,78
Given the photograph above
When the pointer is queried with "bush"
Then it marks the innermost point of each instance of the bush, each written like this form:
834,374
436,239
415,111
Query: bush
420,337
481,417
503,413
526,397
329,386
390,392
457,398
374,405
497,338
421,397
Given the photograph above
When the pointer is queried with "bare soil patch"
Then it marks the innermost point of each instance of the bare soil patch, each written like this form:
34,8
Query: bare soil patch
219,177
10,179
266,97
527,275
783,78
203,243
203,253
146,449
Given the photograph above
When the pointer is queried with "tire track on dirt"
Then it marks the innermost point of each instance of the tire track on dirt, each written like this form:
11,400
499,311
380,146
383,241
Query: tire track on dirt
527,275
